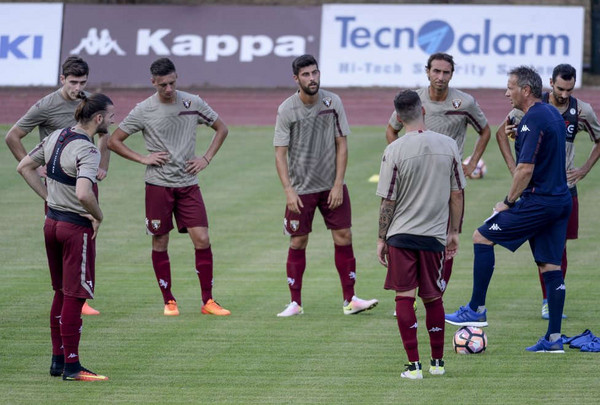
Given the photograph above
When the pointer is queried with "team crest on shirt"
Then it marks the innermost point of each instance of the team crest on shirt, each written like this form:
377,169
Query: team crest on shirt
456,103
187,103
294,225
327,101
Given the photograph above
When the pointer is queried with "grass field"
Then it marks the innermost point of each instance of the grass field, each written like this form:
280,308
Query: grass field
253,356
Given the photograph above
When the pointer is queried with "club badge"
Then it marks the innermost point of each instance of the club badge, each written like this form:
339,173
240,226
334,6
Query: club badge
187,103
456,103
155,223
327,101
294,225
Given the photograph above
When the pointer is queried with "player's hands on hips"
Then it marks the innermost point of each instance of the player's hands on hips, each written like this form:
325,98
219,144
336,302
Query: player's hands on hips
95,224
156,159
576,174
101,174
41,171
382,252
294,203
451,245
196,165
500,206
336,197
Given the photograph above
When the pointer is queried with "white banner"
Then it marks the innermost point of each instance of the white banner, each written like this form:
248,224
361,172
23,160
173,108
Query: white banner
388,45
30,36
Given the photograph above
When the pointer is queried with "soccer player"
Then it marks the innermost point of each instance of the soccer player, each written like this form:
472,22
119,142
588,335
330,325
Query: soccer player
311,154
536,208
168,121
56,111
578,116
448,111
71,225
420,173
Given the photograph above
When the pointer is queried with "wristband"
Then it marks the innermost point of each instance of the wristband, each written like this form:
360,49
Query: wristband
508,203
207,161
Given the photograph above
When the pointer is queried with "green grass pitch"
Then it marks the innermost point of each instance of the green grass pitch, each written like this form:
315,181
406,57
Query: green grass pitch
253,356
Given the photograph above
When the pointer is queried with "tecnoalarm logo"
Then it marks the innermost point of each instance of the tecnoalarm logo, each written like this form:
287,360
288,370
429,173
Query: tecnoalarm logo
482,38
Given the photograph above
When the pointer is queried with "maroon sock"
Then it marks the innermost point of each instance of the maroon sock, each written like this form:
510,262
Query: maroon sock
70,327
55,310
296,263
435,322
407,324
447,270
162,271
204,269
345,263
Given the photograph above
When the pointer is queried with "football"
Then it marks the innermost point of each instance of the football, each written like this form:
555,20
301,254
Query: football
469,340
479,171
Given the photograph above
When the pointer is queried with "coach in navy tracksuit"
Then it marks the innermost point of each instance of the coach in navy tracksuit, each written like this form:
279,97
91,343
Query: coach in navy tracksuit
536,208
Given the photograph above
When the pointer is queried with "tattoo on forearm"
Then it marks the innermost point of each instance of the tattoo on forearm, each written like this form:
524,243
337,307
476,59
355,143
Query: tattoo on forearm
386,214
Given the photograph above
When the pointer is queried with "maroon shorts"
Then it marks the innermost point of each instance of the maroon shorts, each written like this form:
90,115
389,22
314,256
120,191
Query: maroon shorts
71,255
409,269
301,224
573,226
184,202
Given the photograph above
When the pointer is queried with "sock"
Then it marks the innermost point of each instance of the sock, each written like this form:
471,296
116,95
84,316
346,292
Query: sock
435,322
55,310
407,324
295,266
555,285
447,270
345,263
162,271
70,327
563,266
204,269
483,269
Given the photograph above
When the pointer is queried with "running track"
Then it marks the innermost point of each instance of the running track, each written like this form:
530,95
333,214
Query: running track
259,107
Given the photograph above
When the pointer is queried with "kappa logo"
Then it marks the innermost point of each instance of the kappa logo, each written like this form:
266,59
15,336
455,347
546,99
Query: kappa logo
90,283
561,287
456,103
187,103
495,227
415,326
525,128
327,101
352,275
291,281
163,283
71,356
98,44
436,329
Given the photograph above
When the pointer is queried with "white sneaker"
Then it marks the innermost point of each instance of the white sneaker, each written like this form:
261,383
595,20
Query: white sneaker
292,309
413,371
358,305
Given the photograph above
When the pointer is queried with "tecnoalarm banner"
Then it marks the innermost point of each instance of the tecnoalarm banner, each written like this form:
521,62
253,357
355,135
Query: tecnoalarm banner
388,45
30,43
225,46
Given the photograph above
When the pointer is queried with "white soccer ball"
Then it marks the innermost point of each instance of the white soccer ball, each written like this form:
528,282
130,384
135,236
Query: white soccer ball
479,171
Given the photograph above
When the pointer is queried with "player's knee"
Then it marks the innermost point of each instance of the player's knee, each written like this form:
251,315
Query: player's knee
299,242
342,237
480,239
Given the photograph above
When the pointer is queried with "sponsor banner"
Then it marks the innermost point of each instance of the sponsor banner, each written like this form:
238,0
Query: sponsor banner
224,46
388,45
30,43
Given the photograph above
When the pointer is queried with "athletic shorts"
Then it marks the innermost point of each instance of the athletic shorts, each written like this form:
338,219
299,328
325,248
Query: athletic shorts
573,227
71,253
545,227
301,224
409,269
184,202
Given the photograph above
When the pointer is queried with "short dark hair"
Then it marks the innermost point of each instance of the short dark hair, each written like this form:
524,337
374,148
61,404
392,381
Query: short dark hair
303,61
162,67
440,56
91,105
527,76
564,70
408,105
75,66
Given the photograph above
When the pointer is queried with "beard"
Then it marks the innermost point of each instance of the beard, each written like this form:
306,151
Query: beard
308,90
